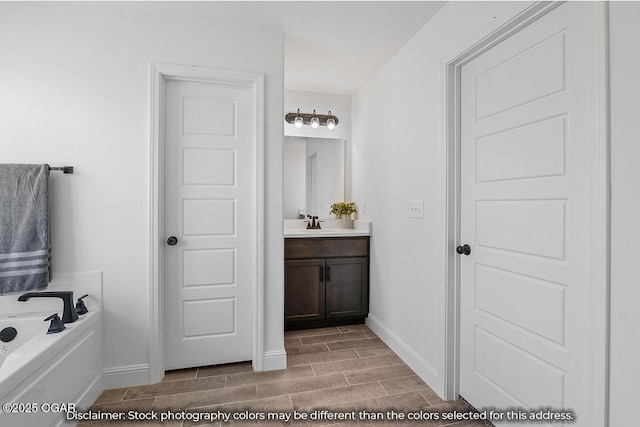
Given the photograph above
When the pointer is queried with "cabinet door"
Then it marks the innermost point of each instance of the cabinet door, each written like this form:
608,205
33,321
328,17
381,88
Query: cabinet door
347,287
304,288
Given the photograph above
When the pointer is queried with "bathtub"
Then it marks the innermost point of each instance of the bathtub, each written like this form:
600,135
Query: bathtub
43,376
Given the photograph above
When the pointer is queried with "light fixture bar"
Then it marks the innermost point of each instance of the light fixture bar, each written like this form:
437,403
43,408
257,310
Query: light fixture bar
306,118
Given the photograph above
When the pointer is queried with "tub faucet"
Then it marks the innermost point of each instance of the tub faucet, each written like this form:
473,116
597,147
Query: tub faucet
69,314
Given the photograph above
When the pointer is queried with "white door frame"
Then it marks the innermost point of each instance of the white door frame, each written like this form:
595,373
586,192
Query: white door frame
599,181
160,73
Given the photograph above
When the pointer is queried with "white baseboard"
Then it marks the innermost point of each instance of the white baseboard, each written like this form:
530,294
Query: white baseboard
274,360
126,376
421,367
133,375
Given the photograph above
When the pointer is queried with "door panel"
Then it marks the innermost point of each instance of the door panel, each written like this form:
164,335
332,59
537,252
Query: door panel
524,201
347,293
531,227
507,83
534,150
506,367
206,166
537,306
304,289
210,203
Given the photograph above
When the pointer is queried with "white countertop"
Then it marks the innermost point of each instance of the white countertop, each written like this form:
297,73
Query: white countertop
297,229
325,232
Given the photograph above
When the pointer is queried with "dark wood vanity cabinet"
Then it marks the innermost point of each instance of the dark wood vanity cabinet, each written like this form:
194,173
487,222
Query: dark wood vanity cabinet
326,281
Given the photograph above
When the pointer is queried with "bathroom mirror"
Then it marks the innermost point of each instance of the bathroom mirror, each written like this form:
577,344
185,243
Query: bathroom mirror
313,176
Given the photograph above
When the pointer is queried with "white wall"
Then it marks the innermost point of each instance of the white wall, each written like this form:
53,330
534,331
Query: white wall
625,212
398,155
75,90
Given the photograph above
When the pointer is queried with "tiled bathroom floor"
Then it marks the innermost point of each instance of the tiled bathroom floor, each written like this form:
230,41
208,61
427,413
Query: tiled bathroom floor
338,369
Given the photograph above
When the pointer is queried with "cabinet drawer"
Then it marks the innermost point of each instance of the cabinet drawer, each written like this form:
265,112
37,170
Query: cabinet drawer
326,247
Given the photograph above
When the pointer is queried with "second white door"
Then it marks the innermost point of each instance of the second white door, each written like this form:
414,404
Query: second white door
525,212
210,209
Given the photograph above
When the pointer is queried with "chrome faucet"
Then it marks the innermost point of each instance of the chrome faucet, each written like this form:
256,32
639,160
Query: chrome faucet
313,225
69,314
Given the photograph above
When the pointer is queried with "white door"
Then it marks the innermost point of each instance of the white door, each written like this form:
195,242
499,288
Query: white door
210,207
525,203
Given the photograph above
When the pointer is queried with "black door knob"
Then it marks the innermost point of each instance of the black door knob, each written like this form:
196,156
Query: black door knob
464,249
172,240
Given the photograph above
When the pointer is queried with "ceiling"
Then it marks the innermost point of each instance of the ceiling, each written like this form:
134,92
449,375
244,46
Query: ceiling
329,46
333,47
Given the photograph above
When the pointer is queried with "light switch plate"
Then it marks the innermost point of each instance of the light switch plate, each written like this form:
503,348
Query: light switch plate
416,209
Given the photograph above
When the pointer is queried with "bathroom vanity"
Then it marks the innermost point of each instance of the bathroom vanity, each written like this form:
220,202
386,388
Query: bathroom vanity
326,278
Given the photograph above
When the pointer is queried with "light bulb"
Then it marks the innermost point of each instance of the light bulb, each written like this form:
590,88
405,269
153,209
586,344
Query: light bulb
298,122
331,123
315,121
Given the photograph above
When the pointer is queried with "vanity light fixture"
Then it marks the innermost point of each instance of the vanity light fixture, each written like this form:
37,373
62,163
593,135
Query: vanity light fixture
331,123
298,121
314,120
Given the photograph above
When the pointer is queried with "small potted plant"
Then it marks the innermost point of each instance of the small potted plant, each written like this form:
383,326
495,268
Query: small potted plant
345,210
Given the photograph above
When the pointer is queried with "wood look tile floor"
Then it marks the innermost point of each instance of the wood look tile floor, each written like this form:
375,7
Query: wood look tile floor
339,369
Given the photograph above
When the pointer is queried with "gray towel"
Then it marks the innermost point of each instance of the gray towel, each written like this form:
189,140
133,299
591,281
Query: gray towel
24,228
